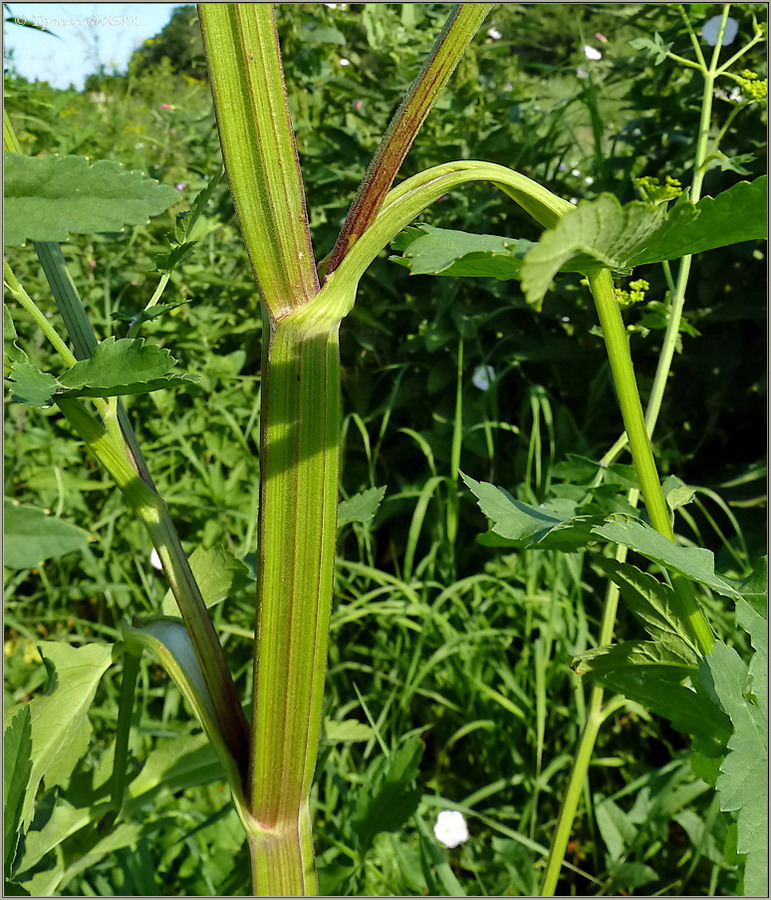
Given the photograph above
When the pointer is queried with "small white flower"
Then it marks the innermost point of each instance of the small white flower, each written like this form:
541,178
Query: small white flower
575,172
581,72
345,62
483,377
712,26
451,828
139,146
494,34
573,200
588,180
592,53
155,560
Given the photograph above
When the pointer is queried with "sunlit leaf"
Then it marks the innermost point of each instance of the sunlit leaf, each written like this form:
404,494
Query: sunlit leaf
50,197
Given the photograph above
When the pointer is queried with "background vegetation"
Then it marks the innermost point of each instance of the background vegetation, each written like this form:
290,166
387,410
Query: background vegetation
432,634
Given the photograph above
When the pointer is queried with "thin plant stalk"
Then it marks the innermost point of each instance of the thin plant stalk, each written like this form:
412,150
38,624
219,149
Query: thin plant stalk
597,712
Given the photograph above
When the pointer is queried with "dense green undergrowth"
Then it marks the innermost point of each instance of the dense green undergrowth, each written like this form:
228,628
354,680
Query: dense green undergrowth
433,635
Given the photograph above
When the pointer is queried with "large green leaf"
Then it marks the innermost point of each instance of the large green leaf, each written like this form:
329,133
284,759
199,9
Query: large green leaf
597,233
117,367
48,198
441,251
17,768
60,727
518,524
736,215
603,233
743,782
32,536
650,601
651,675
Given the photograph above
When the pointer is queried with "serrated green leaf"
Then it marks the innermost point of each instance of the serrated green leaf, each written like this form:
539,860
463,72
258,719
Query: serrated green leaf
215,570
693,562
117,367
441,251
518,524
742,785
651,602
664,660
597,233
32,536
17,768
166,262
654,47
360,507
390,796
754,588
124,366
61,730
603,233
30,386
48,198
650,675
736,215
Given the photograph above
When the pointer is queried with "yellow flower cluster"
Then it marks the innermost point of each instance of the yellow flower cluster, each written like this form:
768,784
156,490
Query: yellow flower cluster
635,294
752,85
654,191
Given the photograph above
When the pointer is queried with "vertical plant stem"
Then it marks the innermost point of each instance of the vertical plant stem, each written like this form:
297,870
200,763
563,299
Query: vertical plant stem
297,537
617,344
595,717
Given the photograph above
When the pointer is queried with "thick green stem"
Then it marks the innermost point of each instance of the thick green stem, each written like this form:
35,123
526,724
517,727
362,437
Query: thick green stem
297,537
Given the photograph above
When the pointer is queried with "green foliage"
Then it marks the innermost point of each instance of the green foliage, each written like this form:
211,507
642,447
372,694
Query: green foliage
361,507
118,367
598,233
32,536
390,795
61,731
45,198
742,786
475,643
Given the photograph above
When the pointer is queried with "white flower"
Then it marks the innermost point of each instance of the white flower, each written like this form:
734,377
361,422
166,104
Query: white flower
575,172
139,146
581,72
494,34
712,26
451,829
345,62
591,53
155,560
483,377
588,180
